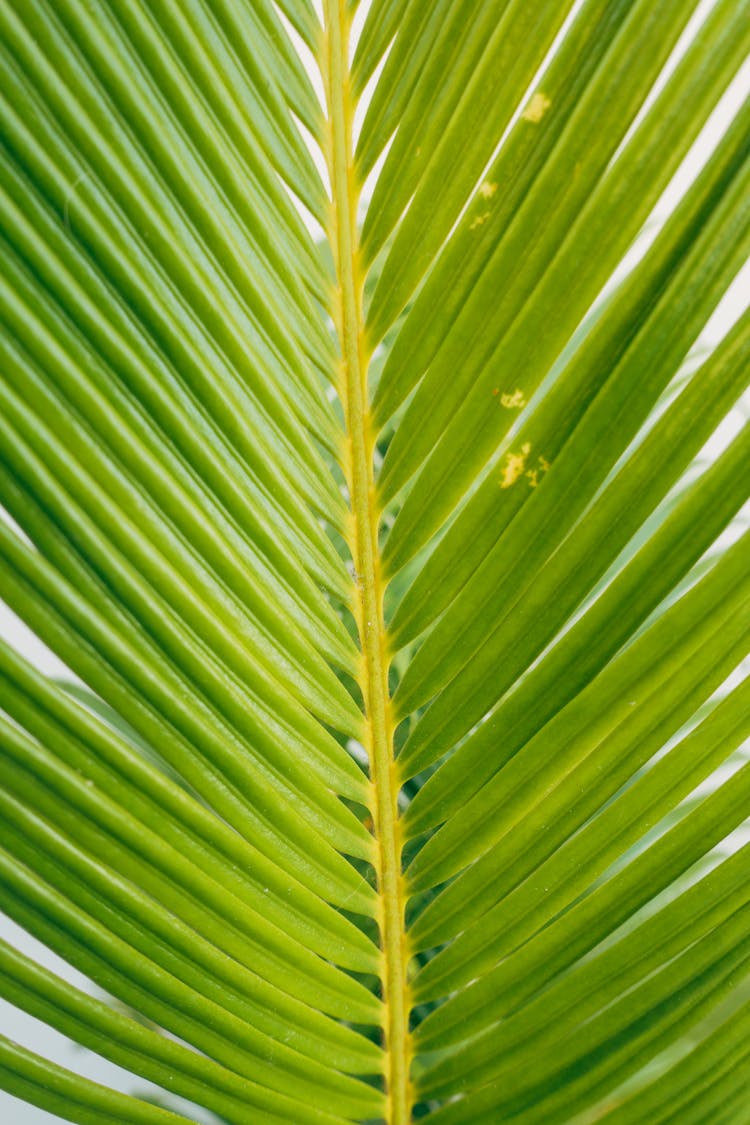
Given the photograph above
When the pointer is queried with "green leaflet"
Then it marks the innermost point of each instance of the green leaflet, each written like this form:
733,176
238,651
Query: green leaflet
513,340
577,931
60,1091
180,407
598,634
479,686
520,158
416,41
396,771
696,1077
93,1022
82,741
440,171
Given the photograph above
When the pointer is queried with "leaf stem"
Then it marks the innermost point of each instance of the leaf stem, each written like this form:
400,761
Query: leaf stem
368,594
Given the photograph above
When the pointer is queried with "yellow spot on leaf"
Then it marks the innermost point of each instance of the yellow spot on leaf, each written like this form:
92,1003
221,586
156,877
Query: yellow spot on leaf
533,475
487,190
477,222
515,463
513,401
536,108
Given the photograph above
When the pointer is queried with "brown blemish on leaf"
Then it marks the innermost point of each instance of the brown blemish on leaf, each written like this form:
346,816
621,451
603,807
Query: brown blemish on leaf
536,108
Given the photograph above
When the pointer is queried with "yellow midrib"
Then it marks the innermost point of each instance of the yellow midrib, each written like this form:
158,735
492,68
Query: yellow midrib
368,595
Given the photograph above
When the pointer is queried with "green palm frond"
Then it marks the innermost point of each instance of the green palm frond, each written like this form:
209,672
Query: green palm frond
398,767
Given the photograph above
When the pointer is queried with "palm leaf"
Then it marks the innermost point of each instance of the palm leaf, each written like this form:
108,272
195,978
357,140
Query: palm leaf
399,766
